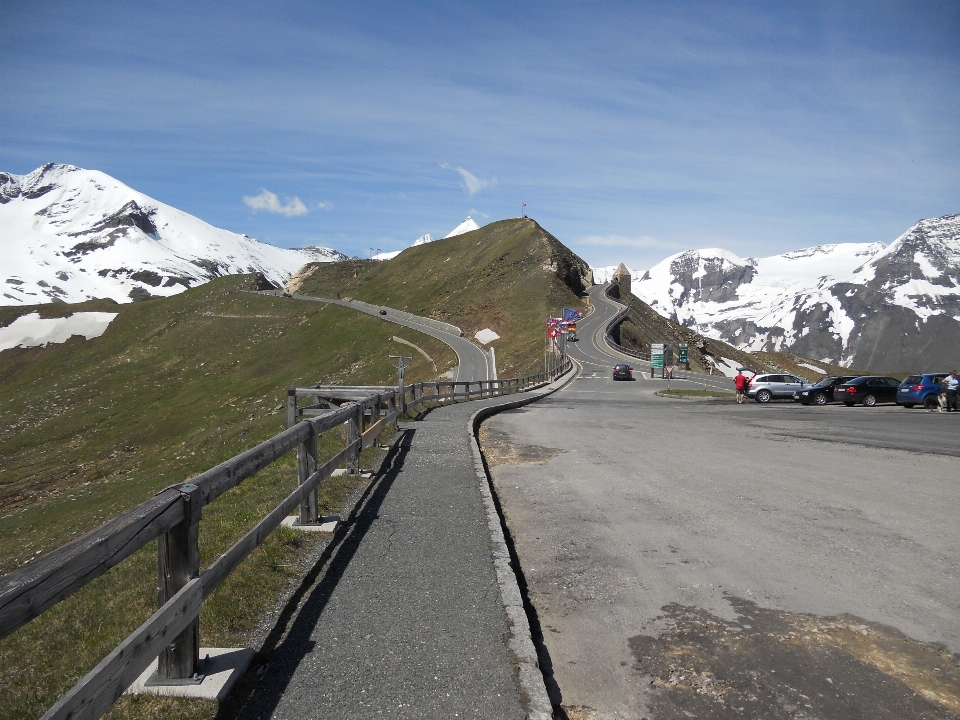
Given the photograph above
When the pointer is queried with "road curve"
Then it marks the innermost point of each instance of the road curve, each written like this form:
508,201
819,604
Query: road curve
472,359
593,351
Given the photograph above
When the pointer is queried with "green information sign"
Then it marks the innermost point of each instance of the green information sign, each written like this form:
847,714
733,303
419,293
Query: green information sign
682,354
656,355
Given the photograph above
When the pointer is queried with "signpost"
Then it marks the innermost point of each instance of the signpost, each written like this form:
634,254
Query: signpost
682,358
656,358
401,363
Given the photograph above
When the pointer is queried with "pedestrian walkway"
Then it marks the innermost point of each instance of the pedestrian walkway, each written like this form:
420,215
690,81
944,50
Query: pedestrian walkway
407,619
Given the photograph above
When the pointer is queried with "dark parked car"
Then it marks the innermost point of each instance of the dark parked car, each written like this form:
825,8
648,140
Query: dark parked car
622,371
869,390
822,392
774,386
920,390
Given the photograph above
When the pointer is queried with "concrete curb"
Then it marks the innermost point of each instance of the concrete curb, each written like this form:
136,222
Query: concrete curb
701,398
532,685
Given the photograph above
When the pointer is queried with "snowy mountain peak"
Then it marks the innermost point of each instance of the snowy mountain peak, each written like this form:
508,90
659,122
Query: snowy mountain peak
466,226
422,240
72,234
862,304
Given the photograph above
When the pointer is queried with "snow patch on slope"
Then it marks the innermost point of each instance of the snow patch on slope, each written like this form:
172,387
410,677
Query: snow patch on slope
32,331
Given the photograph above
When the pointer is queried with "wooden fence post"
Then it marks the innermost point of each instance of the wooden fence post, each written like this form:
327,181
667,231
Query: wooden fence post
291,407
178,562
353,435
306,466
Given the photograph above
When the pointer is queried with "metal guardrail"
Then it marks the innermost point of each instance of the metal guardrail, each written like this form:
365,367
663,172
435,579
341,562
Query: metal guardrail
172,517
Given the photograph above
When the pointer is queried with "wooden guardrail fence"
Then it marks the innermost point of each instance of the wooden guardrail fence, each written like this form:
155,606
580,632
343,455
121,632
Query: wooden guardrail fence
172,518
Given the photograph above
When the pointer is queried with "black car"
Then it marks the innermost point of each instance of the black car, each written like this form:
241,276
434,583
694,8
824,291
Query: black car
868,389
822,392
622,371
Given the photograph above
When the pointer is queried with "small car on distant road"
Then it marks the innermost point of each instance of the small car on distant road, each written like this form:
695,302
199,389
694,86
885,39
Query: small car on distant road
868,389
822,392
920,390
774,386
622,371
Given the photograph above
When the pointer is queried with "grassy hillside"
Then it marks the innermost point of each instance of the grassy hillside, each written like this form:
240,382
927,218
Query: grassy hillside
507,276
788,362
89,429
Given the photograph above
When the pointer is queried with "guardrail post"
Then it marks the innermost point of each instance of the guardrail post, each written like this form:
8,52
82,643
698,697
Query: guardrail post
353,436
306,466
178,562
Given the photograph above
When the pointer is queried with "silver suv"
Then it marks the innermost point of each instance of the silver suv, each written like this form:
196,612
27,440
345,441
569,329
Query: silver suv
772,386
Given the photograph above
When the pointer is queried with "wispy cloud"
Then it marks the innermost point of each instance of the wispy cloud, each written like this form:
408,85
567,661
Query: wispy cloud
470,182
268,201
325,205
624,241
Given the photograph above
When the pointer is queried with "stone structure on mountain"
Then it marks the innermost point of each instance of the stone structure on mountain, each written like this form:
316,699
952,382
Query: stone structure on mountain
621,276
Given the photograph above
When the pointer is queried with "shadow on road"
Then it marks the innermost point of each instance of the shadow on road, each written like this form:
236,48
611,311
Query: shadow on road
290,639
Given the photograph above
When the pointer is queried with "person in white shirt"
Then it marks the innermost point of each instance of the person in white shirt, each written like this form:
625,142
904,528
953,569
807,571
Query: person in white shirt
952,382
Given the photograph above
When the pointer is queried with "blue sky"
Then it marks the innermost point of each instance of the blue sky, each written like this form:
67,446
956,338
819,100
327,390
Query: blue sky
631,130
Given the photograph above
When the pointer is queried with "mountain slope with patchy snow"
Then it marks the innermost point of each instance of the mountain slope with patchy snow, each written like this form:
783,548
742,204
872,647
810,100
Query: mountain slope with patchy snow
71,235
887,308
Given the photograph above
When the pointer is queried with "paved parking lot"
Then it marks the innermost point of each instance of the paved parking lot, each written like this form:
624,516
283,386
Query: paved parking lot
704,559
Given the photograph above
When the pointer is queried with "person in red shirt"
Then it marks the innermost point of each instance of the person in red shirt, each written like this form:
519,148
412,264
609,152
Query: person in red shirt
740,383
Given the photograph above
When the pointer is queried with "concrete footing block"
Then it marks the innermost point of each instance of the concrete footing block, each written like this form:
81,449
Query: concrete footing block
220,668
327,523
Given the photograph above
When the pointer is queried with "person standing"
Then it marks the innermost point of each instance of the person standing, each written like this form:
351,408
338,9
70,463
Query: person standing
952,382
740,383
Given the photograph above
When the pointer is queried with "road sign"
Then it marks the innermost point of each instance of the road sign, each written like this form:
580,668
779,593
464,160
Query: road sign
656,355
682,354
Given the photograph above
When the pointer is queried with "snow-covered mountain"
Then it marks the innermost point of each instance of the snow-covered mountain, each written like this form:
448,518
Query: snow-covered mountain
872,306
466,226
69,234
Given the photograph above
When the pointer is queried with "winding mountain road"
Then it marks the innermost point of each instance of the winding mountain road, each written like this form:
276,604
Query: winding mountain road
473,361
596,355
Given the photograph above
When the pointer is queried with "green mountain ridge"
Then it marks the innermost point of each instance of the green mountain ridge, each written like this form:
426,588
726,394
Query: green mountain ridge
508,276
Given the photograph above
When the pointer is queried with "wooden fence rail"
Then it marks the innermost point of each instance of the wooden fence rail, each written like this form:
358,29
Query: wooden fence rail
172,518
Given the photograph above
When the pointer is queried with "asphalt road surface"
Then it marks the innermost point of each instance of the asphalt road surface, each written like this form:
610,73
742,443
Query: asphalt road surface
596,356
691,558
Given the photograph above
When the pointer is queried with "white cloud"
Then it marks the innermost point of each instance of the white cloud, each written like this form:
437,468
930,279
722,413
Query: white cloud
640,241
325,205
268,201
470,182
